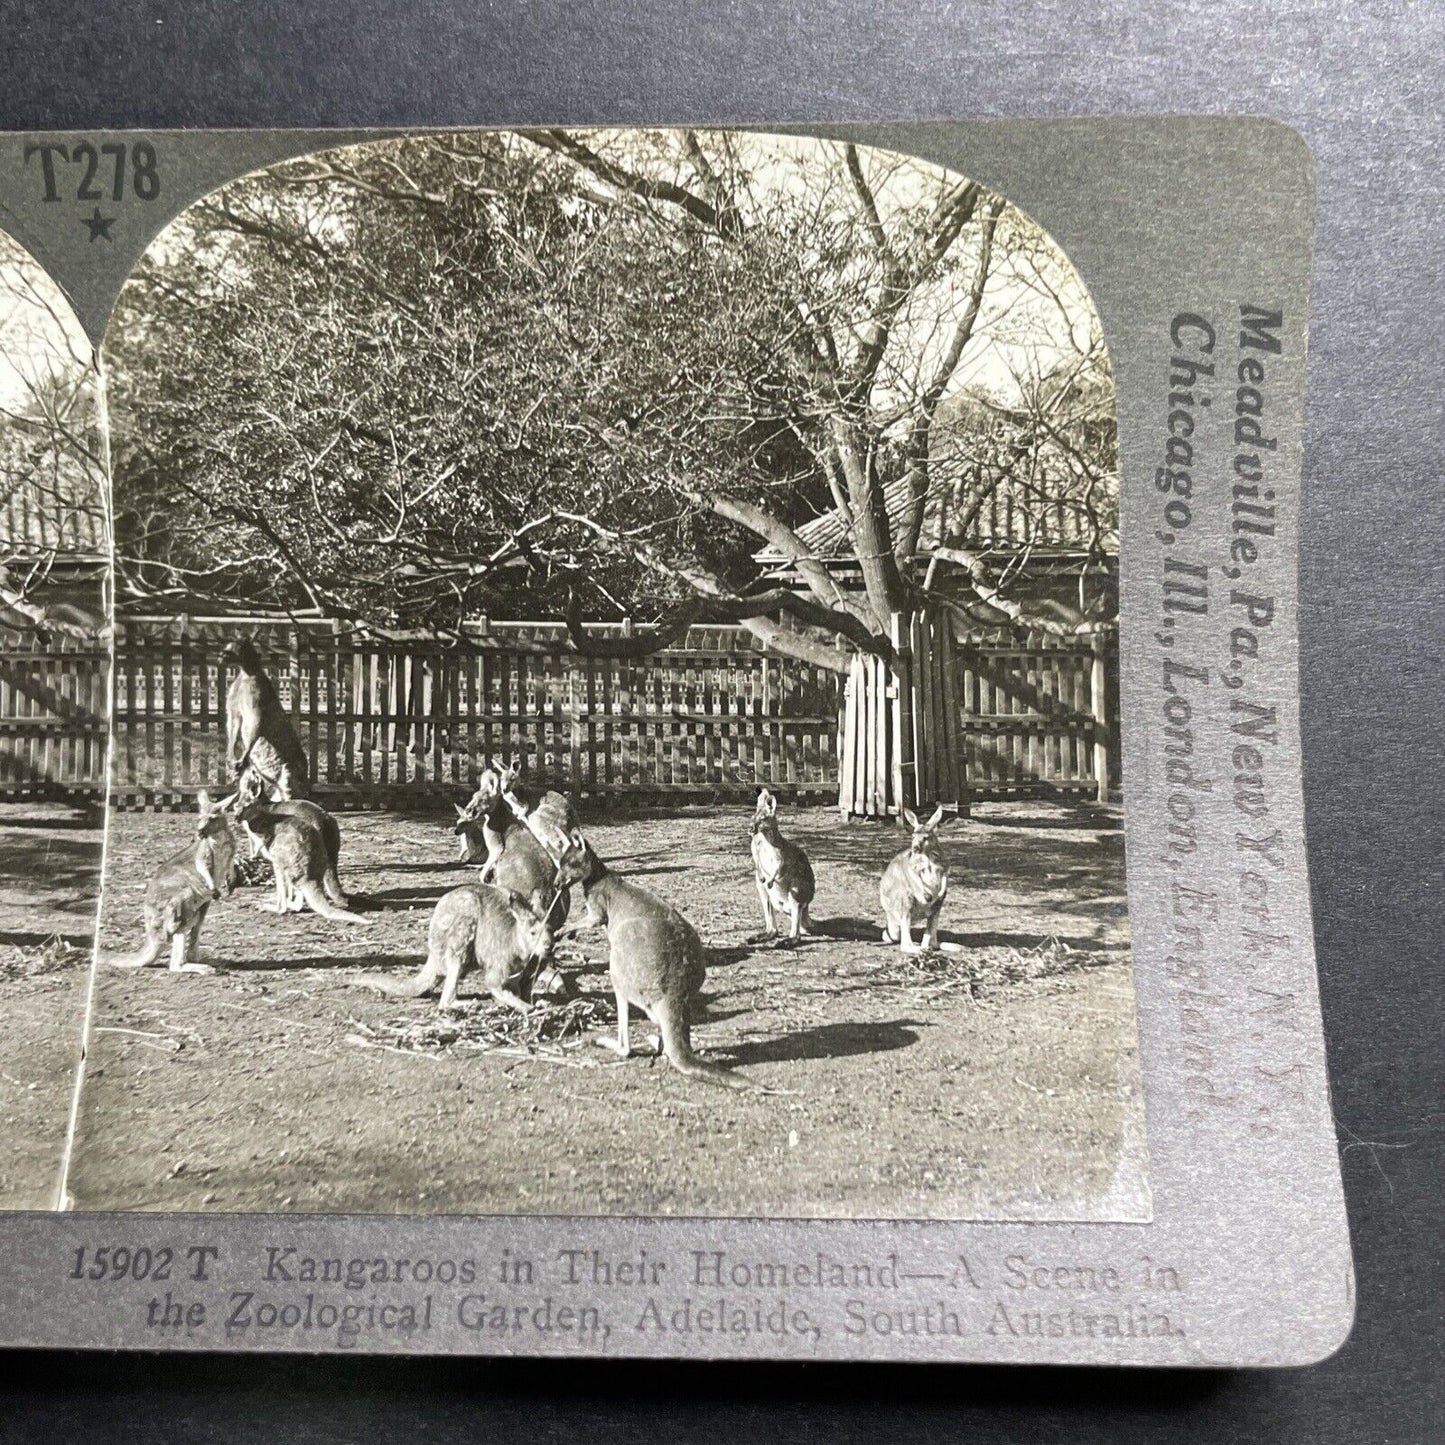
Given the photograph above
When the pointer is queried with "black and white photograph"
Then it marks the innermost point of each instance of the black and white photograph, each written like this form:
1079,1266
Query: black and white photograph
54,671
615,696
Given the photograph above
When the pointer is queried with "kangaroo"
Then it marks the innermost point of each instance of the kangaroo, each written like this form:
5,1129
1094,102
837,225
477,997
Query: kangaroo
655,959
503,934
549,816
295,847
482,824
914,886
181,890
258,728
515,861
249,789
781,870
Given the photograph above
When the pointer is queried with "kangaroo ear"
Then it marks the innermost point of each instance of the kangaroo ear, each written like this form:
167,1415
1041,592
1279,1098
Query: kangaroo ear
937,817
461,811
910,817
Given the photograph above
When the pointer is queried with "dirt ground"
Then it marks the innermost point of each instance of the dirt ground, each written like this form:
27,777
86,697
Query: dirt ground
49,886
1000,1082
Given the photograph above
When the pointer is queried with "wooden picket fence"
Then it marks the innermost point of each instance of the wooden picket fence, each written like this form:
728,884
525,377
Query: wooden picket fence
52,717
960,720
387,721
1041,717
409,720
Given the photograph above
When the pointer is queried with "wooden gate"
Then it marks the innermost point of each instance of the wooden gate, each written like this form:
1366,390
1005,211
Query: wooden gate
1040,716
901,742
53,706
959,720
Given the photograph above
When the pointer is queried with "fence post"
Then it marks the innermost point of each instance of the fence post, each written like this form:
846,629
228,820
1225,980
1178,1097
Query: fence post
952,723
187,713
921,703
1099,710
337,687
293,672
853,695
905,764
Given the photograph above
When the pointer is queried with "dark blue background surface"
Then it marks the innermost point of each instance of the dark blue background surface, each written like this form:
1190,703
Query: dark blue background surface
1362,82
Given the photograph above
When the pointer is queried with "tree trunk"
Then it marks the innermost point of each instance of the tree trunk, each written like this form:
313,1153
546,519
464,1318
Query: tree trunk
872,541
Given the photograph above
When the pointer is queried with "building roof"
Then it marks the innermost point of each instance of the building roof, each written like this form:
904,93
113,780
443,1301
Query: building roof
1007,520
62,514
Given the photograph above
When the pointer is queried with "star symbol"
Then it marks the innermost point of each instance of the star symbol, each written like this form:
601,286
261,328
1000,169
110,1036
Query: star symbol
98,225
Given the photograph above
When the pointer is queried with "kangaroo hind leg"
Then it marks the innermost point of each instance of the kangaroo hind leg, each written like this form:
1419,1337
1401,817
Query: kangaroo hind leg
795,919
184,946
454,955
622,1044
331,884
282,904
769,926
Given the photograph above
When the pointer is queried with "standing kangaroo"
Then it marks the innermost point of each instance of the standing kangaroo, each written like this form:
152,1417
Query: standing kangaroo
296,849
181,890
503,934
258,731
249,790
781,871
515,861
482,824
549,816
655,959
914,886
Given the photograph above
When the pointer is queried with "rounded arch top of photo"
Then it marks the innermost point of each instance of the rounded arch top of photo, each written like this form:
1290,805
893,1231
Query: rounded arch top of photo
792,384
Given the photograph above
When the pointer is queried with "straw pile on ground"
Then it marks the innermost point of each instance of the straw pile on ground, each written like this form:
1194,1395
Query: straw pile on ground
989,969
55,955
482,1026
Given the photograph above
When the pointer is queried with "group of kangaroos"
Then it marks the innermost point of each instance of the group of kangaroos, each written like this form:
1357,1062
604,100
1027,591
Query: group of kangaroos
504,925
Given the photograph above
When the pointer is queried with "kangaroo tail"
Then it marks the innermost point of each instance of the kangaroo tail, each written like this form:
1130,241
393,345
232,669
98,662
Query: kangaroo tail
141,958
311,892
678,1048
332,884
415,987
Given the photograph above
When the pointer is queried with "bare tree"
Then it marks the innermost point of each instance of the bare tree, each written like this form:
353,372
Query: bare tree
426,378
52,474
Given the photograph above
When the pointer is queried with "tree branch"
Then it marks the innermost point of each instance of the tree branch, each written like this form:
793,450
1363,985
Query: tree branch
918,446
644,187
1064,623
866,200
642,644
723,604
821,583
